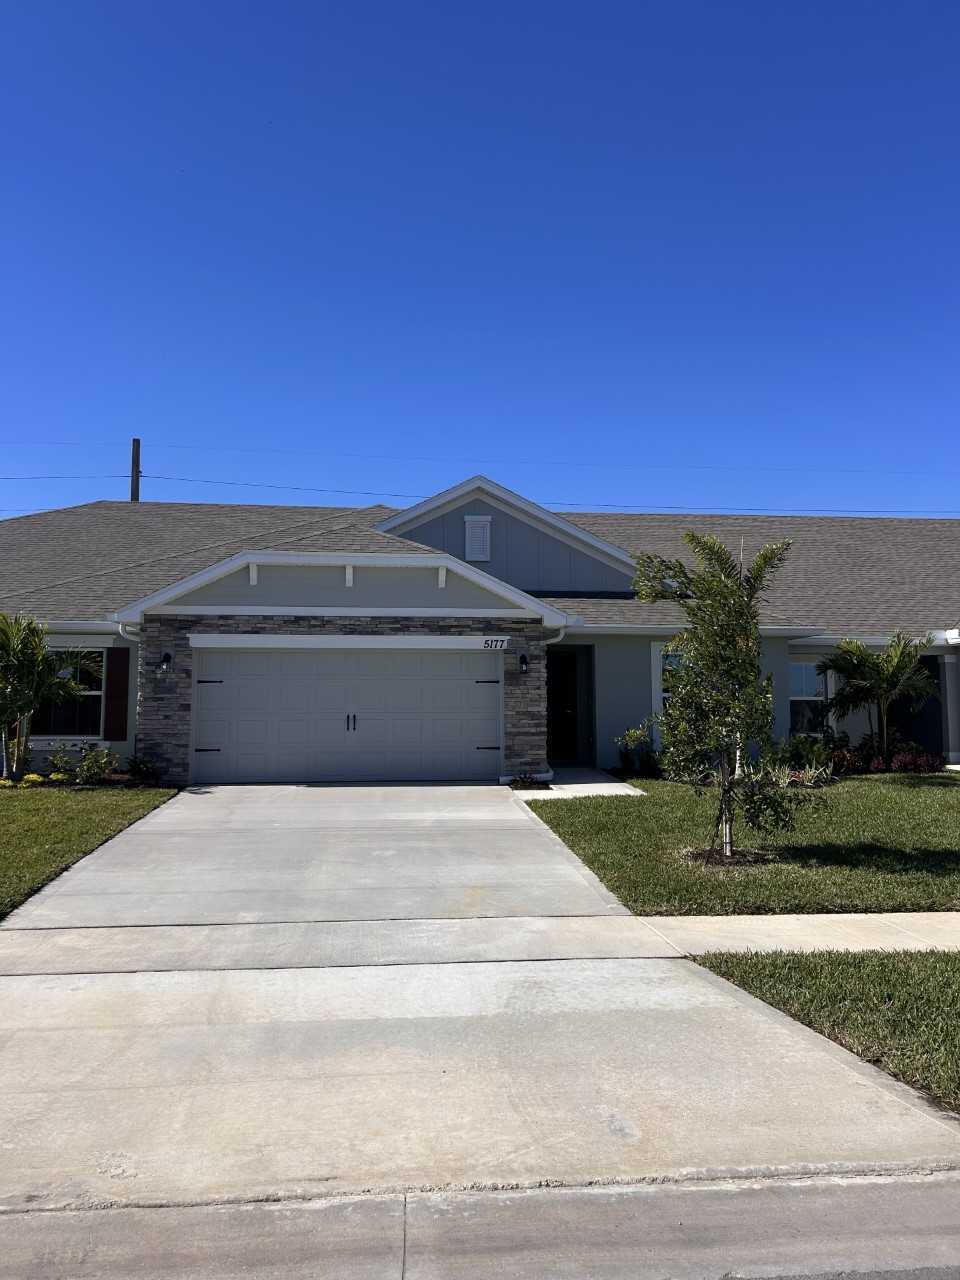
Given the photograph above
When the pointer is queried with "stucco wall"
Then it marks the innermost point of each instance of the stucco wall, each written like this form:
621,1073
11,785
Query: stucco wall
622,690
775,660
521,554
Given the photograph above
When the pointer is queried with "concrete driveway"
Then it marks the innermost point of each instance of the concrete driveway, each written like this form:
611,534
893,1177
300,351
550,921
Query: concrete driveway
294,992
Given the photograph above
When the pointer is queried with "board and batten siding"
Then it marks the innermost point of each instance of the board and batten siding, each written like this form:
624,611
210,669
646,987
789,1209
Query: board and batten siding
521,554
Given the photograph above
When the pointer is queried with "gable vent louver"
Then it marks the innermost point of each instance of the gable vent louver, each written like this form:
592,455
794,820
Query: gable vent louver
476,537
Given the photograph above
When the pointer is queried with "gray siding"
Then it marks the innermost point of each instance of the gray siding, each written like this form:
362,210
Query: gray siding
314,586
520,553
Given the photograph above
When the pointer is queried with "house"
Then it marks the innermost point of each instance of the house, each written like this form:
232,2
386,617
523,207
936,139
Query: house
475,635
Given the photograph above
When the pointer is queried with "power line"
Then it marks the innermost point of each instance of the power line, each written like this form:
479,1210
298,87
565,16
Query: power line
113,477
551,502
502,462
293,488
613,507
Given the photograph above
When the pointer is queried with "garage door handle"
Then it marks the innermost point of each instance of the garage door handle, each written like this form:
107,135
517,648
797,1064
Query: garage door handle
354,724
200,750
488,748
486,682
209,682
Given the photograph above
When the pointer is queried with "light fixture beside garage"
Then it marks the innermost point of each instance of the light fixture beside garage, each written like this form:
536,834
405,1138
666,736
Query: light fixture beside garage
165,665
524,664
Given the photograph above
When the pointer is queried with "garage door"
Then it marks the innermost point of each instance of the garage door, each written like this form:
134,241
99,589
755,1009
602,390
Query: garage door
318,715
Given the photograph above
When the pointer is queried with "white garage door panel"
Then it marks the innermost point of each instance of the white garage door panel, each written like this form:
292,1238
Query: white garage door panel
288,715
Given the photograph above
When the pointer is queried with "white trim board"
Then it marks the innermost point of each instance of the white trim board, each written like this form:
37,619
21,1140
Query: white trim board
334,611
526,605
218,640
513,504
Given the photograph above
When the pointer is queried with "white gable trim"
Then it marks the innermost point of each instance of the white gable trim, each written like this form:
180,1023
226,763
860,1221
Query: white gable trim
522,603
257,640
512,503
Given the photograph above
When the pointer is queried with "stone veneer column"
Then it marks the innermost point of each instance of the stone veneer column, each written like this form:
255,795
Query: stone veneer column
165,701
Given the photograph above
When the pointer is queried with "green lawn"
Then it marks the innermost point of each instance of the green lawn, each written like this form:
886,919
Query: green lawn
43,830
867,844
896,1009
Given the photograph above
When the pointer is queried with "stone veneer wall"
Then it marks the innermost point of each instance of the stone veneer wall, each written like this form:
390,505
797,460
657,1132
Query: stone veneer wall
164,701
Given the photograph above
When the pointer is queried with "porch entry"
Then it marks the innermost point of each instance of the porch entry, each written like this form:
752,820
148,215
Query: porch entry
570,706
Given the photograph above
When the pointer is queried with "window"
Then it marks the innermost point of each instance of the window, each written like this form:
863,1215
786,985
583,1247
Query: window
476,537
660,663
76,717
808,699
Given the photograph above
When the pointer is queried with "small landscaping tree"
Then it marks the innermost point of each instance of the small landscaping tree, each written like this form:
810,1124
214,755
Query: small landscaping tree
30,674
718,702
878,679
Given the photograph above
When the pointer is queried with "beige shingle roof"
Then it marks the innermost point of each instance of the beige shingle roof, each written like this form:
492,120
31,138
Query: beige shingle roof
845,574
86,562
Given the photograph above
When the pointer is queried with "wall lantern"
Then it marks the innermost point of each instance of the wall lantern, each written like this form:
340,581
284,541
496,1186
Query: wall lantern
524,664
165,665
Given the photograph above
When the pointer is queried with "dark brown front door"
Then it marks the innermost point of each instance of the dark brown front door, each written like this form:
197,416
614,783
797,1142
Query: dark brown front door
570,705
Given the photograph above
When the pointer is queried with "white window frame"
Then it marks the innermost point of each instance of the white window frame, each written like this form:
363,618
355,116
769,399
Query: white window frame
800,697
469,524
100,693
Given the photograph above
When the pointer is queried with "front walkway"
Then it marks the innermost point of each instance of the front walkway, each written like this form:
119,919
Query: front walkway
277,993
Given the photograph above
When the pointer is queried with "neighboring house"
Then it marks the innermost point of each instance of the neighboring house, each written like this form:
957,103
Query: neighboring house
473,636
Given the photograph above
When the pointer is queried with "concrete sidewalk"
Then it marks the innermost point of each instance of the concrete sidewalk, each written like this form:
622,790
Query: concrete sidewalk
859,931
811,1229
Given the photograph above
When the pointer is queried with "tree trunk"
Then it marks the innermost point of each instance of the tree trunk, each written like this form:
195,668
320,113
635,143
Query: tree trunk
726,808
21,744
882,723
5,751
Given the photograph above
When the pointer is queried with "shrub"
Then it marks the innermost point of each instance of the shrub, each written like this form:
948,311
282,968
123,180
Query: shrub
637,754
916,761
94,765
143,772
802,752
63,762
527,782
845,760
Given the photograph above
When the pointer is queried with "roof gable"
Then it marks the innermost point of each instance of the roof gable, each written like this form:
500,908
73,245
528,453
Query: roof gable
488,597
519,507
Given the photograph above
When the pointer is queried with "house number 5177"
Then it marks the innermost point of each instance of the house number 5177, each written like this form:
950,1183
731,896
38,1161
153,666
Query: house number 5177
495,644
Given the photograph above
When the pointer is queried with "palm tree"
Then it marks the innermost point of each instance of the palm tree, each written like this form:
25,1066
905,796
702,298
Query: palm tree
878,679
30,674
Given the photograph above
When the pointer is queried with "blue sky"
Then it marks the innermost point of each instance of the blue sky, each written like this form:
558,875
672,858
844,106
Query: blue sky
676,255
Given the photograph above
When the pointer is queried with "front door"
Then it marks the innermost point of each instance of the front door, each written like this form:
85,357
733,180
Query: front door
570,705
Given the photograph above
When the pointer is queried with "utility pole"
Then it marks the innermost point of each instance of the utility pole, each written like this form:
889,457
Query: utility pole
135,469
